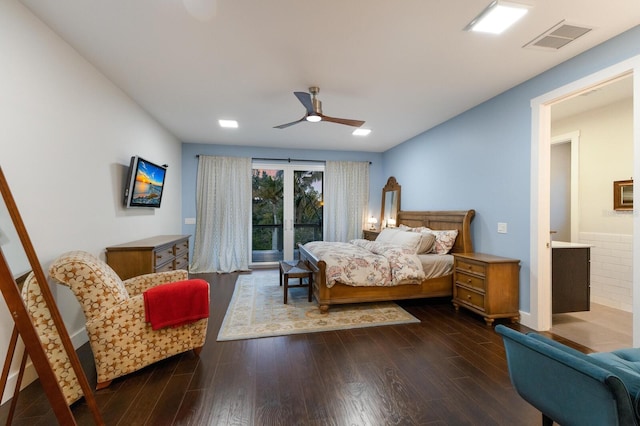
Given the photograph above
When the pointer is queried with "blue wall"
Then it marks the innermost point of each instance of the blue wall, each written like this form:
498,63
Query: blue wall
491,146
478,160
190,169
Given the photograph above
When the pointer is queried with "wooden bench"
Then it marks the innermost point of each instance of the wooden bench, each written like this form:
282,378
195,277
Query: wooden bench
295,269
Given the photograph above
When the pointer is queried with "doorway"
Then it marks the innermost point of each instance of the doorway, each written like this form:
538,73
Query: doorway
591,293
287,209
539,317
564,192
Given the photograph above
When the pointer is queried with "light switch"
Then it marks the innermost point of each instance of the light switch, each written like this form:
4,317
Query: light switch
189,220
502,228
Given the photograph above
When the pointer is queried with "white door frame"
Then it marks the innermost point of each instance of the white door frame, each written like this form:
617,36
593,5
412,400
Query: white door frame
539,317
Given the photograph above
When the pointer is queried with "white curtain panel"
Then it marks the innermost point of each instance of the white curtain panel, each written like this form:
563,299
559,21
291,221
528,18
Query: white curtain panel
346,199
223,215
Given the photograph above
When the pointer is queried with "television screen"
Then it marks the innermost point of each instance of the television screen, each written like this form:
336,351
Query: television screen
145,183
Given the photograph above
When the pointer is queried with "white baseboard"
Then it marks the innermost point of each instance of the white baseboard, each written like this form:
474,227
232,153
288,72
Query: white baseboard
527,320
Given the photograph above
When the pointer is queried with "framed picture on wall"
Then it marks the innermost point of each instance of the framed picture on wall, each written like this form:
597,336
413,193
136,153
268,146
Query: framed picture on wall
623,195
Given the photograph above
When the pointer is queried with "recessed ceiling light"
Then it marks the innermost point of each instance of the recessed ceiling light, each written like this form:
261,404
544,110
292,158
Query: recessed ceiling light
361,132
497,17
231,124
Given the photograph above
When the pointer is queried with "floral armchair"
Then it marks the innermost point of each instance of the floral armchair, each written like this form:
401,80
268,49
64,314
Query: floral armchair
121,341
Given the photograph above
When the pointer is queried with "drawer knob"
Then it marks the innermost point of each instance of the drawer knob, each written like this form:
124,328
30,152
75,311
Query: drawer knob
469,280
469,296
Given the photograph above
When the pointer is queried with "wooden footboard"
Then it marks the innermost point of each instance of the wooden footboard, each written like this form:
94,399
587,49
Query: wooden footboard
434,287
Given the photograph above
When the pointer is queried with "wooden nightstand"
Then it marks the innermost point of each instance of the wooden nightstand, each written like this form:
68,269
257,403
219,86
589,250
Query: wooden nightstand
370,235
487,285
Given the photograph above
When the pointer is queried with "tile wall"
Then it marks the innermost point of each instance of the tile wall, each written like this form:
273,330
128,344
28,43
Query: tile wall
611,269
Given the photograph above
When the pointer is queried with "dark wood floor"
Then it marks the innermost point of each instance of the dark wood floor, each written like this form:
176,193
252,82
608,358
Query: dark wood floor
450,369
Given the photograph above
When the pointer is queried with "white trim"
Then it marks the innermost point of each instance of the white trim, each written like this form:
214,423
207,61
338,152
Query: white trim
540,259
635,256
540,245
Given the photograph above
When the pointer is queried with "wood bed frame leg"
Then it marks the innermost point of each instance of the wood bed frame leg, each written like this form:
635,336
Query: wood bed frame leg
197,350
324,309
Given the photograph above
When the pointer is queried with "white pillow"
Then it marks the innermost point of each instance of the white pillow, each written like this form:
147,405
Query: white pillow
386,235
428,238
399,237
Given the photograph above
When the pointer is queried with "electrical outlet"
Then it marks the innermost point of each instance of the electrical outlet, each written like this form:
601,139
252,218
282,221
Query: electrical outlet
502,228
189,220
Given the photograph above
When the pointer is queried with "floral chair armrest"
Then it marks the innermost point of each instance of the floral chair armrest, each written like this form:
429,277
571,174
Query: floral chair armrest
137,285
122,342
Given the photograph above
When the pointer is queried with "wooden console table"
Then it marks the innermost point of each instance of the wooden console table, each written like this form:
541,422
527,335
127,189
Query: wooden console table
155,254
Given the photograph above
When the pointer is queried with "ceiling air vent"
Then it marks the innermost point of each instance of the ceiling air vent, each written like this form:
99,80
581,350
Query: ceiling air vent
557,36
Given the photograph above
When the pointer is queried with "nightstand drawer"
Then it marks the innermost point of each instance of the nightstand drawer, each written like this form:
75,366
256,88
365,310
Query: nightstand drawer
470,280
475,268
471,297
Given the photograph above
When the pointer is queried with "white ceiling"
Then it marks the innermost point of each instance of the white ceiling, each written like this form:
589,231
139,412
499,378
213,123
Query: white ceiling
404,66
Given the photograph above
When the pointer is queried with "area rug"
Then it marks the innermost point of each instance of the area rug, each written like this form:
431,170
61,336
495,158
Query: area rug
257,310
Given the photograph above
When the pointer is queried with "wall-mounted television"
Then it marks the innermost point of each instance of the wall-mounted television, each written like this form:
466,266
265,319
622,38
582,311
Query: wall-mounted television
145,183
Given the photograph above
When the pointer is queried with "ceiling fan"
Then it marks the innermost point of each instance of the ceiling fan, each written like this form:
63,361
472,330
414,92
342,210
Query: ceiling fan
314,111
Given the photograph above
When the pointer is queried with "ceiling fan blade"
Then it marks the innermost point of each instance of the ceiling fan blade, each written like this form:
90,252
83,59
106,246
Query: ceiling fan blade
284,126
348,122
305,99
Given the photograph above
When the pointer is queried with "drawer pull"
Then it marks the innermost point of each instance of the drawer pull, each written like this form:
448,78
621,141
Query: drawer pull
469,296
469,280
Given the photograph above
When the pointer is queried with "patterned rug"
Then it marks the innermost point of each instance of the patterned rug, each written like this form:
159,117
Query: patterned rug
257,310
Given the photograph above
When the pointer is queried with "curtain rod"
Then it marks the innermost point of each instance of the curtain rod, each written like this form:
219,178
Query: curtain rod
289,160
285,159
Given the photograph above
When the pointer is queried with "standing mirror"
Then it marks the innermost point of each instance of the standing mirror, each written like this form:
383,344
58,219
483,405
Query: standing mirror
36,320
390,203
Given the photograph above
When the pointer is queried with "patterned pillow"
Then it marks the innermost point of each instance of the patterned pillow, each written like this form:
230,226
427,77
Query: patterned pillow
444,241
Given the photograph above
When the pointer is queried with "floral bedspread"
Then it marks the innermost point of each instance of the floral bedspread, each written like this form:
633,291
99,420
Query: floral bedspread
367,263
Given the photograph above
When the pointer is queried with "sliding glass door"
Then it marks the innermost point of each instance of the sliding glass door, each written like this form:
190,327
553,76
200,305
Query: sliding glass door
287,209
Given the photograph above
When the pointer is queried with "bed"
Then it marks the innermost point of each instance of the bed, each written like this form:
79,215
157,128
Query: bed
441,286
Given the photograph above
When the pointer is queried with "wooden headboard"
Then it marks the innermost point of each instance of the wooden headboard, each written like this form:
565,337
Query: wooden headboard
443,220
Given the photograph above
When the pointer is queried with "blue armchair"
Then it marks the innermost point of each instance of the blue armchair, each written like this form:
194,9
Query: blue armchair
570,387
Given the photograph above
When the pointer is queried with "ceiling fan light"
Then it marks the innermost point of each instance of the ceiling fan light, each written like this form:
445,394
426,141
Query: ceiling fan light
314,118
